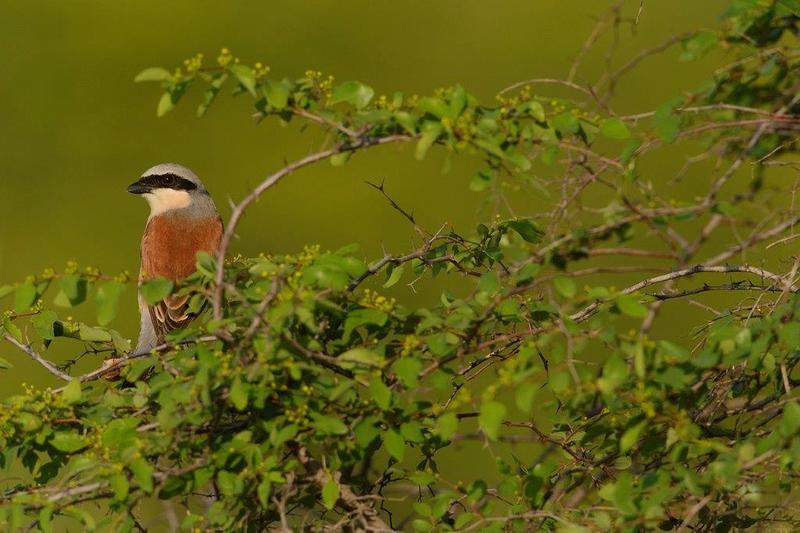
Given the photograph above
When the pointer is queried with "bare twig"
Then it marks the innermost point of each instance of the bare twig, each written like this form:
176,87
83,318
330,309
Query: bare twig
33,354
266,184
589,310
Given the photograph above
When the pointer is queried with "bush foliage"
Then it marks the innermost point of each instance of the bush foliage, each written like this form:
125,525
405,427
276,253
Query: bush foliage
310,399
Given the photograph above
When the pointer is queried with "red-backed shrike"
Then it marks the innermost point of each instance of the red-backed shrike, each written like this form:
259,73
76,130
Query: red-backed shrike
183,221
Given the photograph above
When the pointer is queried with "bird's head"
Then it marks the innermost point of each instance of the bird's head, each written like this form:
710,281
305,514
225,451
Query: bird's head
170,187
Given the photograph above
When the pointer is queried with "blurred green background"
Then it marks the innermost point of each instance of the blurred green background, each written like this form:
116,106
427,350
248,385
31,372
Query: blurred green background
76,130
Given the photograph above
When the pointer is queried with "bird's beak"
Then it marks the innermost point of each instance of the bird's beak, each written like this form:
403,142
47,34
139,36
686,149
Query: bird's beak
137,187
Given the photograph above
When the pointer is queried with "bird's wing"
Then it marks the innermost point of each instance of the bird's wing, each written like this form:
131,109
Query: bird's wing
171,313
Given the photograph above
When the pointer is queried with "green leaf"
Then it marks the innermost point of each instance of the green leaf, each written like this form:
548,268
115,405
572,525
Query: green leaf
631,306
330,494
206,264
327,276
527,229
120,486
789,335
238,395
28,422
423,526
352,92
121,344
615,372
430,133
407,370
436,107
536,110
666,123
365,432
276,93
462,520
614,128
74,288
68,441
509,309
120,433
621,494
380,393
25,296
201,476
72,392
527,273
152,74
4,365
174,486
491,418
630,150
446,425
328,425
139,367
263,491
565,287
228,483
46,519
211,93
489,283
165,105
394,277
698,45
246,76
90,334
361,358
44,324
458,100
12,329
490,146
790,423
341,158
407,121
395,444
283,435
481,181
106,300
524,396
566,123
422,478
631,436
549,154
519,160
155,290
673,377
412,432
363,317
83,516
142,474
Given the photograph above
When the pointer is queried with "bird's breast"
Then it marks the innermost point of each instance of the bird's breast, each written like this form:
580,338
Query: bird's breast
170,245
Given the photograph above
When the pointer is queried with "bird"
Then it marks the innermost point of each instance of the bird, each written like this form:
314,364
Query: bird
183,220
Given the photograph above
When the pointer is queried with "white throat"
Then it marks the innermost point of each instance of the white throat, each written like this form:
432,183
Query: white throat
163,200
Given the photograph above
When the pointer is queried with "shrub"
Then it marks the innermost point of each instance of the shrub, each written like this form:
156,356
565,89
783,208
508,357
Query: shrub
308,398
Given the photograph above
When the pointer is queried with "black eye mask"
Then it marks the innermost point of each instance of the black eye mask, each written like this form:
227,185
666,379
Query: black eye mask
167,181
